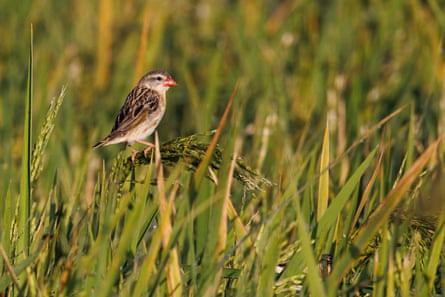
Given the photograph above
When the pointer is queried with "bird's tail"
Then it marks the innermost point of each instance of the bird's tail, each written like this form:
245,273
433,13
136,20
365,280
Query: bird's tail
101,143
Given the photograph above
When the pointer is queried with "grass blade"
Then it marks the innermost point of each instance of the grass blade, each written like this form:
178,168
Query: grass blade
380,216
316,286
435,255
166,208
202,169
330,216
323,185
25,179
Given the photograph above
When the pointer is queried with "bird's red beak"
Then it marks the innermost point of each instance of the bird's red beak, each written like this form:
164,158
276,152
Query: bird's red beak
169,82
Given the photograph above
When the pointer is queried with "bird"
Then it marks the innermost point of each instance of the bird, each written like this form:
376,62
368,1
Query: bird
141,112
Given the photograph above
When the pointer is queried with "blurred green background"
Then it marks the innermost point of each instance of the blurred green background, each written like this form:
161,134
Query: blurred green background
299,63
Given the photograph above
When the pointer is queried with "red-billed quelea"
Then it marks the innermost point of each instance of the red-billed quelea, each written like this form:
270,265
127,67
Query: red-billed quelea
141,113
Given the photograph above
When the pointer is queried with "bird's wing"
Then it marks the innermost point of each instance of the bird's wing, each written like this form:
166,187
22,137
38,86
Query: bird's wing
138,106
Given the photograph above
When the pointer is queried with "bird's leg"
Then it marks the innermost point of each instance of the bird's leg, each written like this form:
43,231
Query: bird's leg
133,153
148,148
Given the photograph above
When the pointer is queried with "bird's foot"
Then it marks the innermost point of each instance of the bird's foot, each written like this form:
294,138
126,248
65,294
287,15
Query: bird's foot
149,147
133,154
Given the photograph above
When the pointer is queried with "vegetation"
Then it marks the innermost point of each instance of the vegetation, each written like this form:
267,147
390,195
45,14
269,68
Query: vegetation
303,135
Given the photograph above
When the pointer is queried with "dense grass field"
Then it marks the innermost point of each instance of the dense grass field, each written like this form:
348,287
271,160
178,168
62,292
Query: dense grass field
298,129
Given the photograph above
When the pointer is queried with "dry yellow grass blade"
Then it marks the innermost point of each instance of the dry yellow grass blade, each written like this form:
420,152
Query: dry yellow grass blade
202,168
323,185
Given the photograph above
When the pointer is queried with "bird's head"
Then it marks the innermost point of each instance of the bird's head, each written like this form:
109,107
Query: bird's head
158,80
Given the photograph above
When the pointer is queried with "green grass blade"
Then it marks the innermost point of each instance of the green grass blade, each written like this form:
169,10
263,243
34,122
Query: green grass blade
25,179
379,217
331,215
435,256
268,251
316,286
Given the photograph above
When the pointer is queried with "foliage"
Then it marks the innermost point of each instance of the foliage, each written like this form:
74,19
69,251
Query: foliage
316,124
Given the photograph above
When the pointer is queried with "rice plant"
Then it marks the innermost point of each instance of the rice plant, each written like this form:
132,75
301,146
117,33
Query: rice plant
300,155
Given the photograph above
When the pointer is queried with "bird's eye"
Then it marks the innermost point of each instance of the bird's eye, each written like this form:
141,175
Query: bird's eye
158,78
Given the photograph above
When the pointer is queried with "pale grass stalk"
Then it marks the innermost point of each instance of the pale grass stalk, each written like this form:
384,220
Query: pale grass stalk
391,271
9,267
222,230
367,192
165,212
240,229
271,121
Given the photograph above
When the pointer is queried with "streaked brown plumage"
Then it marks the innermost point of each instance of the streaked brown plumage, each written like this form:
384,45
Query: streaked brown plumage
142,111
